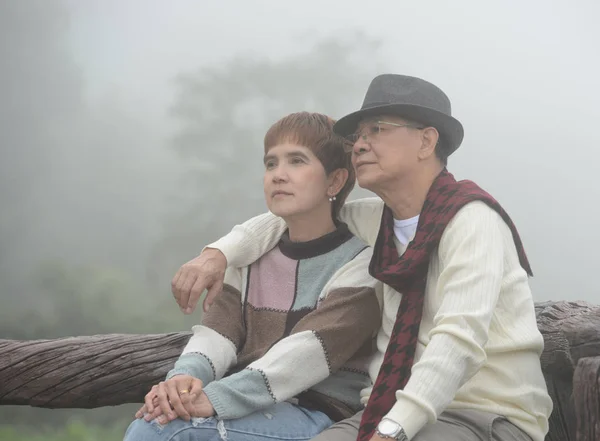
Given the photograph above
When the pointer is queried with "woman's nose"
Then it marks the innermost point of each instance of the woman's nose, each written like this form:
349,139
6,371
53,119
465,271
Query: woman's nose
279,174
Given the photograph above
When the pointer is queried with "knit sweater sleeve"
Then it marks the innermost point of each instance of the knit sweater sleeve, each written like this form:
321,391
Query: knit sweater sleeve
213,346
246,242
318,345
363,217
471,253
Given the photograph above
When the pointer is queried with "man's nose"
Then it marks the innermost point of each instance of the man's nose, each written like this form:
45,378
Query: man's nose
360,146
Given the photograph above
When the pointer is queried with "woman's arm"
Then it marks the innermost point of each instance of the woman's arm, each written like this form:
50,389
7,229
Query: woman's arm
214,345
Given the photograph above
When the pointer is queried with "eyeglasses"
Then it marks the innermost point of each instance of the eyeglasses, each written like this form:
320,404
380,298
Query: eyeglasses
371,133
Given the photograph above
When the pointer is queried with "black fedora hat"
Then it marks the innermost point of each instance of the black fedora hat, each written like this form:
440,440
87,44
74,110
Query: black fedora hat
411,98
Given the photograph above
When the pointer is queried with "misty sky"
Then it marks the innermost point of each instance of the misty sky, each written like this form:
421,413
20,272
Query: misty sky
522,78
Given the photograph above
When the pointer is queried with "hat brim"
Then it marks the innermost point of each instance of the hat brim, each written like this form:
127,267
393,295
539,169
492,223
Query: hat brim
450,129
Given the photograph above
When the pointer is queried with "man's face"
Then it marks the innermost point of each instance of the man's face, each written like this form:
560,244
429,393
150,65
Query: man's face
387,149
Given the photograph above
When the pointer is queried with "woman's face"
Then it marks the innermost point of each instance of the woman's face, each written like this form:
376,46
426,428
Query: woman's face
295,182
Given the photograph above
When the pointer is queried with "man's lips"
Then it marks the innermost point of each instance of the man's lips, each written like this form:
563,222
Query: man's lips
361,163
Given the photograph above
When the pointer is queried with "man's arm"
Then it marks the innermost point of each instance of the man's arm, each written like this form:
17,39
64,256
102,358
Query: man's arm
320,343
363,217
239,248
472,256
248,241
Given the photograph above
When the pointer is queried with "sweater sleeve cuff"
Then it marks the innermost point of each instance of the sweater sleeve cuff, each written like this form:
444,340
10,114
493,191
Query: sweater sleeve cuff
239,394
219,407
195,365
411,416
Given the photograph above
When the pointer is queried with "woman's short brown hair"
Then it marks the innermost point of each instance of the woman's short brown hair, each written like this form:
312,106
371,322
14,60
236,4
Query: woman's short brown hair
315,132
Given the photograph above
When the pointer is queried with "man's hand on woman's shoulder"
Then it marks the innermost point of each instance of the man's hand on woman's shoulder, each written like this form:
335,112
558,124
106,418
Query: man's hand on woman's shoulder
207,271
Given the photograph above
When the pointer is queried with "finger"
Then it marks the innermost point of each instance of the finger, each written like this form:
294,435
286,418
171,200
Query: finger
156,414
149,416
188,403
195,389
213,291
163,400
200,284
186,283
174,283
180,295
149,399
142,410
174,388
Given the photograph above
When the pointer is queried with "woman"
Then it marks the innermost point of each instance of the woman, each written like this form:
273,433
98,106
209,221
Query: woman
283,352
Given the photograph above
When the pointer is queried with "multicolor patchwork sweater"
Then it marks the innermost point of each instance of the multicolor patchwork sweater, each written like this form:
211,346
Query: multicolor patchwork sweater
299,324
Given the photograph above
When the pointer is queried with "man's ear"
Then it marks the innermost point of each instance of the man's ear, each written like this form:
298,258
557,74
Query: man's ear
429,139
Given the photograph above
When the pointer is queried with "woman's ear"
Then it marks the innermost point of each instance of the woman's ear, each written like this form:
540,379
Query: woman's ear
337,180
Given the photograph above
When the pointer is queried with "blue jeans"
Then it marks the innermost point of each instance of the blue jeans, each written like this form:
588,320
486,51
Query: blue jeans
283,421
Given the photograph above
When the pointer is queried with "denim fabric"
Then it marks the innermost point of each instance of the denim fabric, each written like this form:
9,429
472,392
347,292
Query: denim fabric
283,421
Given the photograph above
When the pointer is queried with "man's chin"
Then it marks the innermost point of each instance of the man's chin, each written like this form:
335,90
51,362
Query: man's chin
366,182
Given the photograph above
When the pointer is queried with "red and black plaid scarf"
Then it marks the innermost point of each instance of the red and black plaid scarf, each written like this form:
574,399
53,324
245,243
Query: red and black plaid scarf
407,275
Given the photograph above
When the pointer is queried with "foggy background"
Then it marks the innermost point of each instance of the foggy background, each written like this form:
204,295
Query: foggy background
131,136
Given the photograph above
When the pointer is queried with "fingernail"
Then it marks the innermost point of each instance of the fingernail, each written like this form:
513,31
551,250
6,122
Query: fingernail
171,415
188,310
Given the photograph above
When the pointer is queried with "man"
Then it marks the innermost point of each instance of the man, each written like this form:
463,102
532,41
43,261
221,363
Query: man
459,346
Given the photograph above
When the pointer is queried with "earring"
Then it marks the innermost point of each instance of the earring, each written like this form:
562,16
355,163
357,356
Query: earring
331,198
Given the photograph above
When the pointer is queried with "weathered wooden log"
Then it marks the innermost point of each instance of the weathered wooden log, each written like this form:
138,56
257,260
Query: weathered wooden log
106,370
586,382
85,372
571,332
